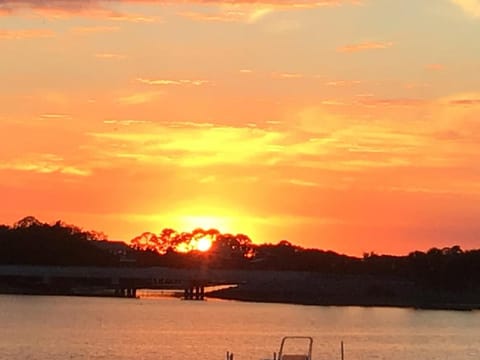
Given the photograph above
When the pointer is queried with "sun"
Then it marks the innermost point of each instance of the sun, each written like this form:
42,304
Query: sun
204,244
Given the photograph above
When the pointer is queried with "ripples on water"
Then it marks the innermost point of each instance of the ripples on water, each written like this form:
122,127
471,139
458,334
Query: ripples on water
60,328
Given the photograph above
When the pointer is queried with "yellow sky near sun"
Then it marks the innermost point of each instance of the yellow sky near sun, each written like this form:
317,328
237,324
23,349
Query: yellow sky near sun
323,123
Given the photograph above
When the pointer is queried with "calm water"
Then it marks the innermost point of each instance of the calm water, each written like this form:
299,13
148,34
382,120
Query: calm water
167,328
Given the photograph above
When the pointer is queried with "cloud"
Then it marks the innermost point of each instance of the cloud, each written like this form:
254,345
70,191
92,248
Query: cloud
79,4
302,183
25,34
251,11
465,102
373,101
363,46
231,10
139,97
107,56
343,142
471,7
66,9
287,75
319,142
462,100
53,116
188,124
190,146
125,122
44,164
85,30
166,82
333,103
456,118
343,83
136,18
228,15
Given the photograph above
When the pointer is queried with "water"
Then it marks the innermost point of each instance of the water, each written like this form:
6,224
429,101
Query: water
60,328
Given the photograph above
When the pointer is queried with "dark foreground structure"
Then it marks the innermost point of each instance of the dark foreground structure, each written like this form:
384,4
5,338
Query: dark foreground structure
307,288
40,258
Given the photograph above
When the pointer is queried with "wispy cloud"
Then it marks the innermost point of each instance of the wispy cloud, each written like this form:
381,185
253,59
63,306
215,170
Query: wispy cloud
228,15
364,46
139,97
135,18
54,116
25,34
213,10
44,164
191,146
336,147
251,11
332,102
302,183
79,4
108,56
83,30
373,101
343,83
466,101
66,9
125,122
166,82
188,124
287,75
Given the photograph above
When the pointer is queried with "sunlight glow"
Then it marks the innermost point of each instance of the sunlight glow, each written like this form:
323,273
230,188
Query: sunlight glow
247,117
204,244
191,222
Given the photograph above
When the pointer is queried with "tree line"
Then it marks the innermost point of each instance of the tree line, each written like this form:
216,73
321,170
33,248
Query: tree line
31,242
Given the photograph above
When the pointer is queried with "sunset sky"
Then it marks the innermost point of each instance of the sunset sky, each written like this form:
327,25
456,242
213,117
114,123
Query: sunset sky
345,125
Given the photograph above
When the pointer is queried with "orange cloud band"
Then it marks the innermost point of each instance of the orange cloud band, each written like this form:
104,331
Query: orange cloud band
7,5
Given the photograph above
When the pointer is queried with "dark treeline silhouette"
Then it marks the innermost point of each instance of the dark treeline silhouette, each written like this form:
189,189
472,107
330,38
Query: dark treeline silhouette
171,248
31,242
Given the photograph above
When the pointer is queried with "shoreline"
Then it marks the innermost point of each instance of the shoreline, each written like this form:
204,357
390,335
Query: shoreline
243,296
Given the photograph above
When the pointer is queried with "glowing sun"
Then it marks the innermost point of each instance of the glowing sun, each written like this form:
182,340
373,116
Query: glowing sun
204,244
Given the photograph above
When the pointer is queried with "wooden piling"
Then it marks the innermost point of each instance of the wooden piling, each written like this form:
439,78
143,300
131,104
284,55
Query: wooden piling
195,292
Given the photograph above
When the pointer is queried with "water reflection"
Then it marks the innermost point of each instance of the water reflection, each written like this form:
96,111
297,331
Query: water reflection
166,328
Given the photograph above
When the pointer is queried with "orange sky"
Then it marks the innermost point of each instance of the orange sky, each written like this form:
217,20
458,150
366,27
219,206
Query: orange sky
344,125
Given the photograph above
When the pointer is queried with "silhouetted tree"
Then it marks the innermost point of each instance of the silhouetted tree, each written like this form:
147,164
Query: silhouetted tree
32,242
29,241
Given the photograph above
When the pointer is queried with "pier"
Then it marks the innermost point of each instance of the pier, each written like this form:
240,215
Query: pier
116,282
194,292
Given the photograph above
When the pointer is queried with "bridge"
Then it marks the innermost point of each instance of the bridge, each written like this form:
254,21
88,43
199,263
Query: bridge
125,281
